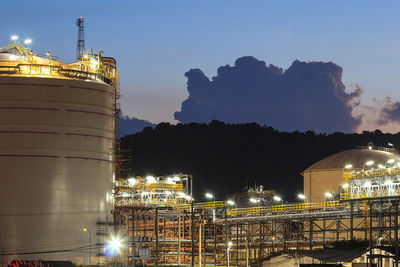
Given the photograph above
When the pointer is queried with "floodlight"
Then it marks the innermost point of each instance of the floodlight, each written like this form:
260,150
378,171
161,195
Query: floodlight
230,202
132,181
328,194
348,166
28,41
150,180
301,196
345,185
253,200
277,198
390,161
369,163
209,195
14,37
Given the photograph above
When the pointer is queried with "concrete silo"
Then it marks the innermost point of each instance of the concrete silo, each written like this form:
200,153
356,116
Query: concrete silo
57,133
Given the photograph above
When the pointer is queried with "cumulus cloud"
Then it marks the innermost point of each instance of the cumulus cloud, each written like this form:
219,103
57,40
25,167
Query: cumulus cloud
307,96
390,112
131,125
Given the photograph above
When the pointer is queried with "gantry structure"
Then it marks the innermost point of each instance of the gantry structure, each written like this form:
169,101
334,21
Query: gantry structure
169,229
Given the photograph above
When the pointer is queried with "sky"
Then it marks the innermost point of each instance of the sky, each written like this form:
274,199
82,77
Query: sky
157,42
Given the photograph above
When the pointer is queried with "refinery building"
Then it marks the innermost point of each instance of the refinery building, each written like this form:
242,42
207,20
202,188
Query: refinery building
63,198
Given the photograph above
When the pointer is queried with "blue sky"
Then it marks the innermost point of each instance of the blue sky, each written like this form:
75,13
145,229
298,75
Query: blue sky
156,42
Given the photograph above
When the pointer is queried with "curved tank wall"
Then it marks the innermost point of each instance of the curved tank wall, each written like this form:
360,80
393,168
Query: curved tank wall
56,162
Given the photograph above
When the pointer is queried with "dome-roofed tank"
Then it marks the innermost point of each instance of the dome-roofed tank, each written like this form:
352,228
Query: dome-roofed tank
57,132
326,175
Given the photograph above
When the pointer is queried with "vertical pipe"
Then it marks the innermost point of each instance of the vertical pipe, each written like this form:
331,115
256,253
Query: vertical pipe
351,219
284,235
370,232
133,238
311,232
226,237
237,244
179,240
396,233
200,237
192,230
261,248
156,230
323,232
215,244
337,228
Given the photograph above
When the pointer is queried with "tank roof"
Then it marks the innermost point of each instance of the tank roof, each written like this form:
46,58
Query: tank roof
17,60
356,157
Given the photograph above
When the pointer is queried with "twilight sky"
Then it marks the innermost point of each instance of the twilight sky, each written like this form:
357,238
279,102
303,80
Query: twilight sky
157,42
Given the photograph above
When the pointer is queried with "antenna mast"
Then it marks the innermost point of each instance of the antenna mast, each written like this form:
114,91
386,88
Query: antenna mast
80,47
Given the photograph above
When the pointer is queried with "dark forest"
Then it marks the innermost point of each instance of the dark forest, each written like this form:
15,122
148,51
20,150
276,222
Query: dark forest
225,158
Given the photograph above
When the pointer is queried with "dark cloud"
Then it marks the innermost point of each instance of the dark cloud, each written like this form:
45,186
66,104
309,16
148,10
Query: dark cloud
131,125
390,112
307,96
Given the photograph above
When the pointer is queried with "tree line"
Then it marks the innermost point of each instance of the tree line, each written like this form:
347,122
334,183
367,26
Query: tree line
225,158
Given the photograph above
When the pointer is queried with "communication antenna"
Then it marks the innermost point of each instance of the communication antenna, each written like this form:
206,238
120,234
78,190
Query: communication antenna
80,47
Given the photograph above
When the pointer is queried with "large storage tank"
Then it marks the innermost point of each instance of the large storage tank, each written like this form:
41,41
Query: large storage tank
326,175
57,132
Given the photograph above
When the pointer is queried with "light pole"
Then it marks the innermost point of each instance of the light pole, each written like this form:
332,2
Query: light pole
85,229
211,196
228,247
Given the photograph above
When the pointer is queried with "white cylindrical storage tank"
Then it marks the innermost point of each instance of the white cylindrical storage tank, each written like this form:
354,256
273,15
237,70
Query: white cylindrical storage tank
57,165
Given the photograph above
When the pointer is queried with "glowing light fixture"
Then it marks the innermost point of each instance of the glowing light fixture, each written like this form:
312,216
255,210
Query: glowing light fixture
132,181
301,196
277,198
253,200
380,166
345,185
230,202
328,194
230,244
27,41
113,246
14,37
150,180
348,166
369,163
209,195
390,161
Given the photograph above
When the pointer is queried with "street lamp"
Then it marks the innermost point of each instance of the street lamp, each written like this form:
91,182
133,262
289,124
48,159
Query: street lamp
230,202
329,195
301,196
85,229
210,196
229,245
278,199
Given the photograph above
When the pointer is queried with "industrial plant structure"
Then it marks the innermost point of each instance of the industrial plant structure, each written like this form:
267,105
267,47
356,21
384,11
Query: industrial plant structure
57,146
170,229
